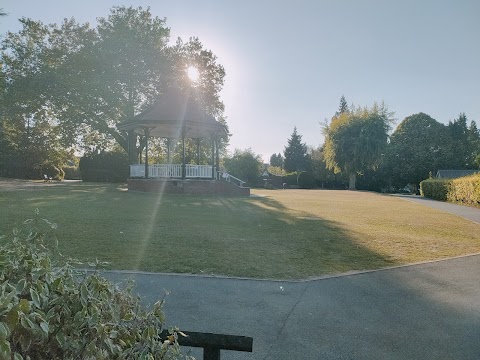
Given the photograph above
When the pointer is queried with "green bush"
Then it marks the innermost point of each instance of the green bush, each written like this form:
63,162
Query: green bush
306,180
72,173
291,179
465,190
52,171
435,189
50,310
105,167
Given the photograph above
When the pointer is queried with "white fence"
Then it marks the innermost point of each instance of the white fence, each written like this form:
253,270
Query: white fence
171,171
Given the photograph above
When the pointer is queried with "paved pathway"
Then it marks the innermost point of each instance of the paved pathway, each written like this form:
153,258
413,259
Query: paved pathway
427,311
467,212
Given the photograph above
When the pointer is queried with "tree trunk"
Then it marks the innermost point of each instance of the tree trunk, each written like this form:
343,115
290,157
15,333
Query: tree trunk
352,179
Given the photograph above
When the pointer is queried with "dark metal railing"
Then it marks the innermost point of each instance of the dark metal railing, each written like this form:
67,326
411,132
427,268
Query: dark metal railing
213,343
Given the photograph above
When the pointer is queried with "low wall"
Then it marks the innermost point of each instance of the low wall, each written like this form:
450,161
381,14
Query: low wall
189,187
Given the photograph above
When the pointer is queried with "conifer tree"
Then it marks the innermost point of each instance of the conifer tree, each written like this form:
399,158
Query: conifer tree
343,107
295,153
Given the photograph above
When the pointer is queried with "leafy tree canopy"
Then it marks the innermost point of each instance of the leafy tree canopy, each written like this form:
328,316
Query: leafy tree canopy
355,140
245,165
89,80
420,145
276,160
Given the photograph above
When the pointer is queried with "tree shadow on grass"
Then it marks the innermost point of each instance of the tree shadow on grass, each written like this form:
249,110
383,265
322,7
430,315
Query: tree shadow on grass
247,237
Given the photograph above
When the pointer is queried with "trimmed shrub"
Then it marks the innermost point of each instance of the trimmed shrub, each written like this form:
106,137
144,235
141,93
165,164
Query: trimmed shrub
435,189
105,167
306,180
50,310
291,179
72,173
465,190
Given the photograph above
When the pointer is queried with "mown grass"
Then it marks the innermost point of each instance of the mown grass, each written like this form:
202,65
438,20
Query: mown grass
283,234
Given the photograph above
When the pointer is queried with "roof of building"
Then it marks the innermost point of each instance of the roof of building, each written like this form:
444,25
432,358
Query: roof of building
173,113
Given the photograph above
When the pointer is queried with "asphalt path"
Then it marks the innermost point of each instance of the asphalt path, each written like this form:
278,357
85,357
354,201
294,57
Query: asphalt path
424,311
467,212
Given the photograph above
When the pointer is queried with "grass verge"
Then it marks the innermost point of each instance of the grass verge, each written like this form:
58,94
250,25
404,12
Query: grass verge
283,234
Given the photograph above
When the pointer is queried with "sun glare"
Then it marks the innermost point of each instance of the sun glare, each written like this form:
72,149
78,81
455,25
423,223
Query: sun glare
193,74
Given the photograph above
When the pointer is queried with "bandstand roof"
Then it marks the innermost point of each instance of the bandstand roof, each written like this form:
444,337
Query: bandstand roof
173,112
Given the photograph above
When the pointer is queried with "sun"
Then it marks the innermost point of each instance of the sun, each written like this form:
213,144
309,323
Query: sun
193,73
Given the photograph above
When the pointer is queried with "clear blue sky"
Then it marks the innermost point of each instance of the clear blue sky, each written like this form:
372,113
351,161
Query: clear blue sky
289,62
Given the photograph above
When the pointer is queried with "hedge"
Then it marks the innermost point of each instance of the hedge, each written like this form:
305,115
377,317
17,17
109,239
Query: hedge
306,180
465,190
435,189
105,167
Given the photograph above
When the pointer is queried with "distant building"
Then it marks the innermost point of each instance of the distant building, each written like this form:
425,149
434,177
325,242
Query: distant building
453,174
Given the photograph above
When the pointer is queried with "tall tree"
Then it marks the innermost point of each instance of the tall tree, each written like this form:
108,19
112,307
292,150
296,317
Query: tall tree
355,140
460,153
419,146
295,154
276,160
245,165
474,145
92,80
343,107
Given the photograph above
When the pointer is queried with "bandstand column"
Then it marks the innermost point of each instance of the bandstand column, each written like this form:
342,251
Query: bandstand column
217,162
213,157
184,166
147,133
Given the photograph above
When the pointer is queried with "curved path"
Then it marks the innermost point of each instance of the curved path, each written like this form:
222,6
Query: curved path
467,212
425,311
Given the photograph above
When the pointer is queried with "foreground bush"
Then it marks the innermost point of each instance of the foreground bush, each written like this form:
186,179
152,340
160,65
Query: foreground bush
435,189
55,312
465,190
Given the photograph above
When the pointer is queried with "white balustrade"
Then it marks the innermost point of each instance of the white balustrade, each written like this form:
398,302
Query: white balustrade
171,171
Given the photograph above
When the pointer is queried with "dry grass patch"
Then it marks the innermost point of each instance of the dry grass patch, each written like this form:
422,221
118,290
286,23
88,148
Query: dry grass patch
399,230
288,234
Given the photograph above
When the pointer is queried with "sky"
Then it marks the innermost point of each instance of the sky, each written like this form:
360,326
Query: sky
288,62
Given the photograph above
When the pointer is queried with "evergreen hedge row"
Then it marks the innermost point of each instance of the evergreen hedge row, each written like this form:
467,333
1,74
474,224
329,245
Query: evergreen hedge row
465,190
435,189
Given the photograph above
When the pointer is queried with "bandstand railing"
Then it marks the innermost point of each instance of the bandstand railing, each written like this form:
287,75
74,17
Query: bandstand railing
171,171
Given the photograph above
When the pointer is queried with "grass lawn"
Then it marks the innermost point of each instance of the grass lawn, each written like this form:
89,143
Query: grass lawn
282,234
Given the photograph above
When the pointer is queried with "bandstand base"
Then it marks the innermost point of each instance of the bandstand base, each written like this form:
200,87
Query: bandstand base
188,187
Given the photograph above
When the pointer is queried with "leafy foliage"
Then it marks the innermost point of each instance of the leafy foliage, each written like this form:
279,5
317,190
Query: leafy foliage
465,190
420,145
306,180
105,167
49,310
435,189
276,160
355,140
83,82
244,165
